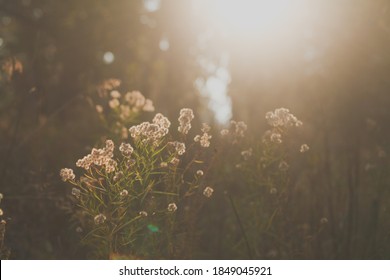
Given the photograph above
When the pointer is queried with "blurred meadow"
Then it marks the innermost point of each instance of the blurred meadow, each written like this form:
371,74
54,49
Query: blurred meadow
194,129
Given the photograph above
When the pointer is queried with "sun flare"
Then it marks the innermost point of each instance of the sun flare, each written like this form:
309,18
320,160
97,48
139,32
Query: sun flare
261,16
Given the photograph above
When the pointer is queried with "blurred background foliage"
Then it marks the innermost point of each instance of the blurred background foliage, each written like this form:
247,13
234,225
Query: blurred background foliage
329,63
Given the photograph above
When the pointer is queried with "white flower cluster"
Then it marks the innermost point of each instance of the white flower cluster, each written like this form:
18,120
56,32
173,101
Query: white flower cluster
208,192
115,94
283,166
125,105
205,138
247,153
179,147
236,130
100,157
279,119
175,161
138,102
273,136
151,132
109,84
76,192
114,102
282,117
276,137
67,174
126,149
185,118
304,148
172,207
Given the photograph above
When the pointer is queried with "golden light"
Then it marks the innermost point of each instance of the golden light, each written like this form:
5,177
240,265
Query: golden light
241,18
250,30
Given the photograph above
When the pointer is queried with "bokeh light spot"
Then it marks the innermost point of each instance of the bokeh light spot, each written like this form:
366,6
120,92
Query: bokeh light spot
164,44
153,228
152,5
108,57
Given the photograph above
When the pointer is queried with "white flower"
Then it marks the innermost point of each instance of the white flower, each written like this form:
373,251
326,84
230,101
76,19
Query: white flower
113,103
240,129
99,219
175,161
185,118
100,157
199,173
163,164
282,117
110,165
283,166
273,136
224,132
148,107
304,148
235,132
110,84
205,128
143,213
124,193
205,140
136,100
118,175
276,137
125,112
76,192
172,207
115,94
208,192
273,191
162,122
151,132
247,154
126,149
99,109
179,147
1,212
67,174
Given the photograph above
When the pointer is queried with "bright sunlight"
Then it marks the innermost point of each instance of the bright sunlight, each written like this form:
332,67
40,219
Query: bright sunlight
243,18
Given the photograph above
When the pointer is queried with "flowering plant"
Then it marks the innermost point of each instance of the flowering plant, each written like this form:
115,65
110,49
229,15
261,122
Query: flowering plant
142,197
142,193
